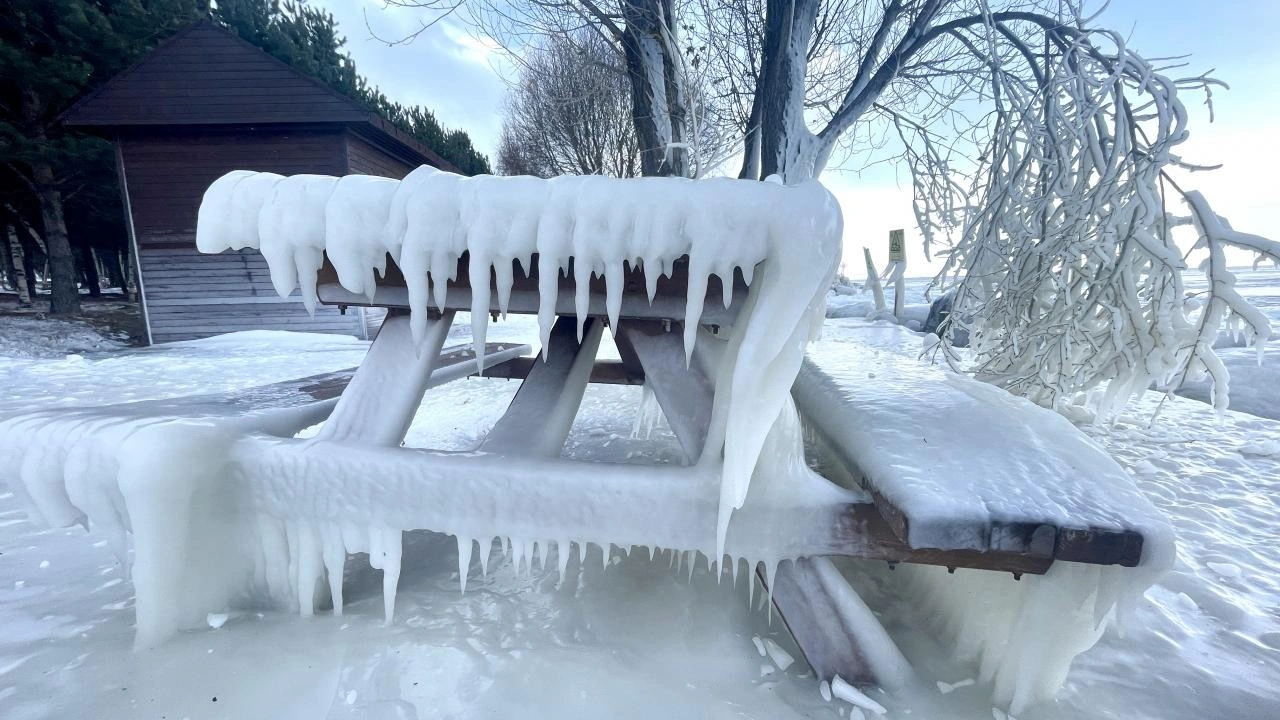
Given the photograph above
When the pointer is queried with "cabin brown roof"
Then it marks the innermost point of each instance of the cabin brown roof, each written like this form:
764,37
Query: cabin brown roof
207,76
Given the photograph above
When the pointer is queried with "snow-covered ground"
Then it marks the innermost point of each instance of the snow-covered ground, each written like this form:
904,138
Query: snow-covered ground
637,640
37,337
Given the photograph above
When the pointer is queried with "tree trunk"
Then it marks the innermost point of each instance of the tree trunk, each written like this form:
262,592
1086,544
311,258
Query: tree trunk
751,144
657,107
786,145
23,278
10,272
64,292
89,270
115,273
29,248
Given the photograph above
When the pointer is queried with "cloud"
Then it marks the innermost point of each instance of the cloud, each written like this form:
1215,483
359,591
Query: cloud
479,50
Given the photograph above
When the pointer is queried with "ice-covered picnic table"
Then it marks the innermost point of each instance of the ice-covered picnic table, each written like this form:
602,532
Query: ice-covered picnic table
712,290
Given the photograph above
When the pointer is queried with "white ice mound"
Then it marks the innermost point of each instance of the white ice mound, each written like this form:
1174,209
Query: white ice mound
785,241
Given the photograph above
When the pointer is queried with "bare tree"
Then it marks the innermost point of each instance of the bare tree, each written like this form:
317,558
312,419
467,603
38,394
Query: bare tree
568,113
1040,147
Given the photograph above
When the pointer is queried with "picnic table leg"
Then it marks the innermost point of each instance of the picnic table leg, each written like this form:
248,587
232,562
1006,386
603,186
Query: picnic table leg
539,417
829,622
376,409
834,629
378,405
683,389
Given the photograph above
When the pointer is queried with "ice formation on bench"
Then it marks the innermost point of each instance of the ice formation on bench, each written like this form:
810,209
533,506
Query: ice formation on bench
427,221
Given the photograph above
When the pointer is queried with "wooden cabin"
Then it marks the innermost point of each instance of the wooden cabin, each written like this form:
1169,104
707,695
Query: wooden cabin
201,104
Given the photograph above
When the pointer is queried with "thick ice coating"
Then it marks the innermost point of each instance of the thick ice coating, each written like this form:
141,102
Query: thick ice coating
786,242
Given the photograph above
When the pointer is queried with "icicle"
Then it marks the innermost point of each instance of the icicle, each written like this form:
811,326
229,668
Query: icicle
613,285
733,563
486,548
440,286
751,586
726,286
417,283
697,295
581,292
308,265
548,295
606,549
651,273
582,553
291,535
308,567
693,562
504,277
464,562
335,559
562,557
391,548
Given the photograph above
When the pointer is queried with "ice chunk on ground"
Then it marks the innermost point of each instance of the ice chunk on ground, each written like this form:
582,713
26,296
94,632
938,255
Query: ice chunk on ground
854,696
780,657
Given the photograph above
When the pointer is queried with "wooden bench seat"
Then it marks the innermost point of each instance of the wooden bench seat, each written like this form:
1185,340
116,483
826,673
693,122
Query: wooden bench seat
988,472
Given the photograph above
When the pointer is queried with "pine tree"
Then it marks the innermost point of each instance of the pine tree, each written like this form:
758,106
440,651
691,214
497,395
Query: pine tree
51,51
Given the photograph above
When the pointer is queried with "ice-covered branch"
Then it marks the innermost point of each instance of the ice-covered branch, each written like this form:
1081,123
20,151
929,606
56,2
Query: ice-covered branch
1070,279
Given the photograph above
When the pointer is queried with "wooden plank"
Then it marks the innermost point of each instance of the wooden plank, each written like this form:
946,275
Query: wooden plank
669,301
859,530
604,372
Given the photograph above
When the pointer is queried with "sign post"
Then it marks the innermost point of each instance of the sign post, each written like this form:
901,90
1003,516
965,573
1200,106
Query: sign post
897,270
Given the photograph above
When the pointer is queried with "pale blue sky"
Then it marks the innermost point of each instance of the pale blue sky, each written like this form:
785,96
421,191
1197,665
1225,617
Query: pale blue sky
459,78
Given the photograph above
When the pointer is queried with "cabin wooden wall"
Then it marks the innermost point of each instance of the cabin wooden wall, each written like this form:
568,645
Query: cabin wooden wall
189,294
366,158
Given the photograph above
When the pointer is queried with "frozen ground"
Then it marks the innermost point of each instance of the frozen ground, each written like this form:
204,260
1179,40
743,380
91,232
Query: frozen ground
635,641
35,337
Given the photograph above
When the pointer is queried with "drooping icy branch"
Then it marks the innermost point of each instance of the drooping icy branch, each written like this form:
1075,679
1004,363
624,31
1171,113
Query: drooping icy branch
1071,280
